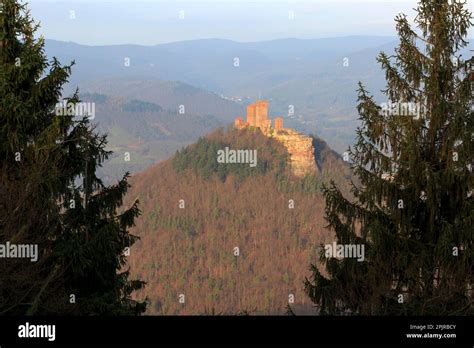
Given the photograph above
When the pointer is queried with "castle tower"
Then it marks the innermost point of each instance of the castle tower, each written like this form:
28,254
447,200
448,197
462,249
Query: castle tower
278,123
261,113
299,146
251,112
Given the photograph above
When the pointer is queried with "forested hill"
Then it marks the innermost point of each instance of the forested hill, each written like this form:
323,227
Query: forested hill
229,237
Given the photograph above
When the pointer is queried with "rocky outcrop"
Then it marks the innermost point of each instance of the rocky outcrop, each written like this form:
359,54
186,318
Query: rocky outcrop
301,150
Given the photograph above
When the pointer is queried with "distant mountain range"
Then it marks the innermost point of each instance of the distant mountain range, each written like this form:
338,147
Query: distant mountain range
311,83
210,63
177,97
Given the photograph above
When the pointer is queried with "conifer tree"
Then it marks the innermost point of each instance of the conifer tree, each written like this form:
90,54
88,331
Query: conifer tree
413,207
50,195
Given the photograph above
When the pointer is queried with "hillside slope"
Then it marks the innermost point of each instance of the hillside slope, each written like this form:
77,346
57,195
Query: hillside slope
196,212
168,94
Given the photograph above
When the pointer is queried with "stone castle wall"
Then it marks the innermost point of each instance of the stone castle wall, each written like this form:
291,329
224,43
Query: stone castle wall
299,146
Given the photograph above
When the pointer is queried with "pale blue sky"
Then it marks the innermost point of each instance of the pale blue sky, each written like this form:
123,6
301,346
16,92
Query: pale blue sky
103,22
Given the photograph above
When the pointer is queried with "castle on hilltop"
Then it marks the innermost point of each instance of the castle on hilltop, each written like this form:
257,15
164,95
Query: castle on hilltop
299,146
257,116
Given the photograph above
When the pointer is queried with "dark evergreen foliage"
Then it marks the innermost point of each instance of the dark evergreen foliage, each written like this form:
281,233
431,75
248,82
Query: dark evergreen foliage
141,106
50,194
414,208
203,157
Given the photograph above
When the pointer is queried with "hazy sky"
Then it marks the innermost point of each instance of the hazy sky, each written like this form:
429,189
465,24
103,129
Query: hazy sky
98,22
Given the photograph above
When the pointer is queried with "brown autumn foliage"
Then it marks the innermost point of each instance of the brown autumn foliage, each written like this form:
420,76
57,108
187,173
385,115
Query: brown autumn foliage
191,250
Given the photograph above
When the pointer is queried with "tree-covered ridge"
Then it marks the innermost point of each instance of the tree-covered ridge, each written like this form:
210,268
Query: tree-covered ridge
192,223
94,97
140,106
202,156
